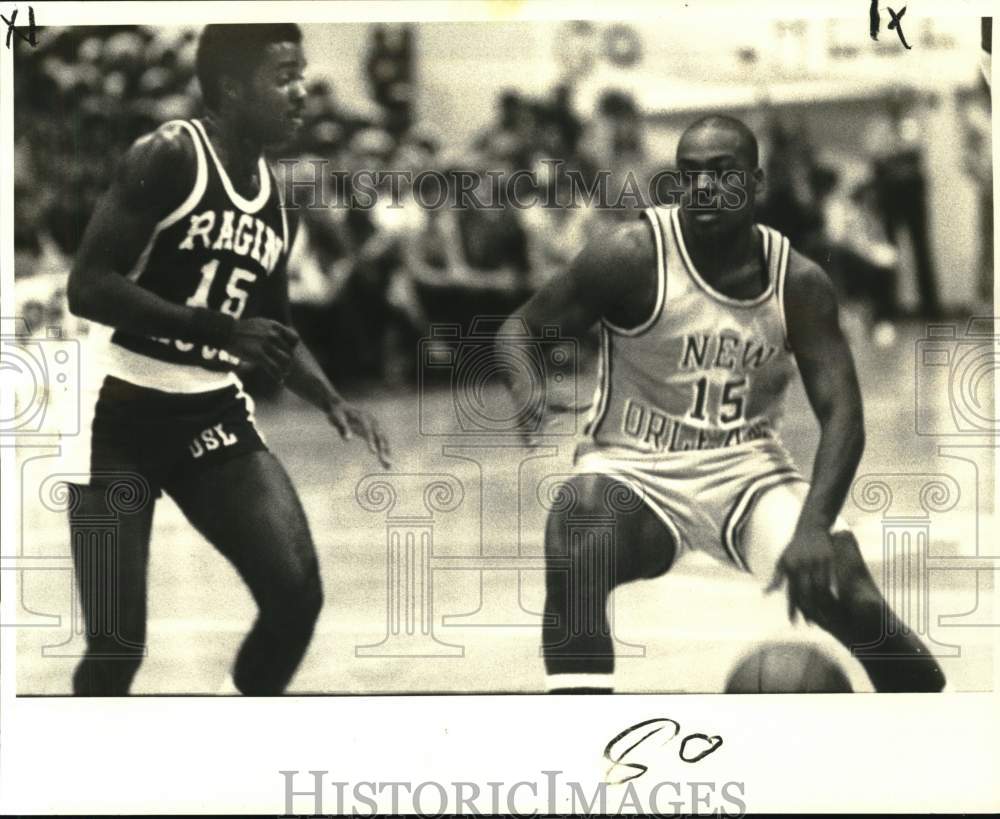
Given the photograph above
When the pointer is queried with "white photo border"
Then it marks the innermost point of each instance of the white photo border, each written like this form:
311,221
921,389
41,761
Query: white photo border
223,755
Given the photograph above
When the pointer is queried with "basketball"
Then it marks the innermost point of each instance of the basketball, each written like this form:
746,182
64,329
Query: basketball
787,668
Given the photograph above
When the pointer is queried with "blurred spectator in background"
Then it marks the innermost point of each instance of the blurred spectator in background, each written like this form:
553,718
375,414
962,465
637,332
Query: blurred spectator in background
483,249
403,222
487,244
614,142
320,264
555,228
894,145
977,159
514,127
83,95
374,249
556,130
566,121
390,76
851,244
789,203
389,69
425,259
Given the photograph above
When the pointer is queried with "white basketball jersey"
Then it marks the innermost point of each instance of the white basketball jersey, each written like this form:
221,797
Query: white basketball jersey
705,371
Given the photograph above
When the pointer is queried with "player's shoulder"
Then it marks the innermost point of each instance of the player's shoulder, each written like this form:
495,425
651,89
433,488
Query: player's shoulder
160,165
628,247
805,277
634,238
615,273
809,292
171,146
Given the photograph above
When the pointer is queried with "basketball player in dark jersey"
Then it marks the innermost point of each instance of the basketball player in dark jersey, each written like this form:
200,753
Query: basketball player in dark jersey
705,318
182,269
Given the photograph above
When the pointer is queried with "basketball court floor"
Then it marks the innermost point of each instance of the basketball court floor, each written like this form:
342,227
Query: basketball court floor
433,577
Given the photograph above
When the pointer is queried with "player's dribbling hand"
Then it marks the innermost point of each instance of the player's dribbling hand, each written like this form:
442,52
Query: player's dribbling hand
349,421
808,565
264,342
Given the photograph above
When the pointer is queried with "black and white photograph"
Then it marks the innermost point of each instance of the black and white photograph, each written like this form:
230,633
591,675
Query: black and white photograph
463,364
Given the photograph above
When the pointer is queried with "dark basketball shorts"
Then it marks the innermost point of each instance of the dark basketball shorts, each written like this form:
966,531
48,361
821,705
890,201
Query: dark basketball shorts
164,437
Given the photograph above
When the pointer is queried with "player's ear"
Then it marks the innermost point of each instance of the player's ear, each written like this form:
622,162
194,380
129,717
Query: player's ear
758,180
232,89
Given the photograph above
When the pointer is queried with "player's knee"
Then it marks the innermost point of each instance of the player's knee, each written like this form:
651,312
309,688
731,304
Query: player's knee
311,599
848,551
580,498
299,602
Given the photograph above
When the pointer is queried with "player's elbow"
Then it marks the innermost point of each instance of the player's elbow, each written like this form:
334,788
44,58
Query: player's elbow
75,296
79,297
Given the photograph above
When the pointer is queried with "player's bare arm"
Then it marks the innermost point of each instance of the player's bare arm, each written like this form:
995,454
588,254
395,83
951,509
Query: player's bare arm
828,374
306,378
152,180
613,277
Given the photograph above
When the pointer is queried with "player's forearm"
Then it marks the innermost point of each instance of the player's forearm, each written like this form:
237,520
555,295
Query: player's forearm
119,303
842,442
307,380
508,346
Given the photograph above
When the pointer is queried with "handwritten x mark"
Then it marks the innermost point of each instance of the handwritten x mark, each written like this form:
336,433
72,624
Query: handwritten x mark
896,25
29,38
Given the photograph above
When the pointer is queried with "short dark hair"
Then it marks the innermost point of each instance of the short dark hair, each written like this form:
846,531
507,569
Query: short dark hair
723,122
236,51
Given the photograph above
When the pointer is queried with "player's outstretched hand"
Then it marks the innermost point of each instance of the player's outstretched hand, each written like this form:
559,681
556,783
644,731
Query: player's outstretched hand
537,417
552,421
808,565
350,421
528,416
264,342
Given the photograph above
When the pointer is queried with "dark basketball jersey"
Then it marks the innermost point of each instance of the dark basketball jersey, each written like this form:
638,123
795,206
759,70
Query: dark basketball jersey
216,250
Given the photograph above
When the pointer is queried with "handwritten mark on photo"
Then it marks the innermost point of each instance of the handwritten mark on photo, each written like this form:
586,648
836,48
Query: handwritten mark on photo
30,37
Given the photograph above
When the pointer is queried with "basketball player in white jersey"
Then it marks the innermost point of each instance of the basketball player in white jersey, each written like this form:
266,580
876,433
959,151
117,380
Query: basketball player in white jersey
182,269
705,317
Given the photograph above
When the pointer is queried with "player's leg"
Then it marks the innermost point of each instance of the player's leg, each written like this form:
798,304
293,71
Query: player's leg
896,659
583,565
249,510
111,579
859,615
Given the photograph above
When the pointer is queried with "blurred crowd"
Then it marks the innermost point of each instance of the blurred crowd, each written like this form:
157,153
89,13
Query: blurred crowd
367,282
82,95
